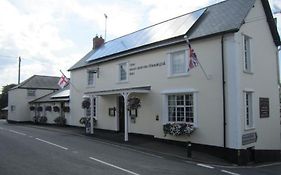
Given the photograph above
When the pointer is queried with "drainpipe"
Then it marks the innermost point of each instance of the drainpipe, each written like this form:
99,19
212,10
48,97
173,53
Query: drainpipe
223,92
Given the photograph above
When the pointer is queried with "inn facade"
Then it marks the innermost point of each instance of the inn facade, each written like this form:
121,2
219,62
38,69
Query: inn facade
234,108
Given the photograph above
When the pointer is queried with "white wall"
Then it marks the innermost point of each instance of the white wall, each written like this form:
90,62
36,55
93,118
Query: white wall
263,80
18,98
210,123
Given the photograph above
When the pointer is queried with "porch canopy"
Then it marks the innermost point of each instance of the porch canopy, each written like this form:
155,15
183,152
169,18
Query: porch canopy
125,92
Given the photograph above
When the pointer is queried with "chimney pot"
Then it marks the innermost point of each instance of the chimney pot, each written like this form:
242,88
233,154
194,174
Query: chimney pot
97,42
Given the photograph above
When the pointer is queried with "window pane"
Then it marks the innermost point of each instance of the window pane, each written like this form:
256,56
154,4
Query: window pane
171,100
123,71
91,78
189,100
180,100
172,114
178,62
180,114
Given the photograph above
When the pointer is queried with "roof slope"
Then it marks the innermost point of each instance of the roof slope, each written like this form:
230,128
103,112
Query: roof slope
40,82
223,17
57,96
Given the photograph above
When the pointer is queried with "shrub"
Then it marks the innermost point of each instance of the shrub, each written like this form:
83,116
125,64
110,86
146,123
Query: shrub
36,119
43,119
61,121
66,109
85,120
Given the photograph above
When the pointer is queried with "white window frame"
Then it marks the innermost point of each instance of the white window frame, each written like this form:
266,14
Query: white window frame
165,112
170,64
13,108
249,109
93,78
247,58
31,92
119,72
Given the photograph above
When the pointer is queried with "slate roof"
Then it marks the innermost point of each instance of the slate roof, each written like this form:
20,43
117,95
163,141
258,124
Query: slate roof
57,96
223,17
40,82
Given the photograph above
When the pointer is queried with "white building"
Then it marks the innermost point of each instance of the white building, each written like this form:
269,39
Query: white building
30,89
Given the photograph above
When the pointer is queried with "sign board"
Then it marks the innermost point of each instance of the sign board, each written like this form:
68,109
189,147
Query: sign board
264,107
249,138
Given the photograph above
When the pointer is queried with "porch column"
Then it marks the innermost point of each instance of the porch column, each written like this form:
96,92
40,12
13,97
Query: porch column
126,95
91,118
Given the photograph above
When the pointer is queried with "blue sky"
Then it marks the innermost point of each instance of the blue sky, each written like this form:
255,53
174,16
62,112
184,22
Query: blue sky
51,35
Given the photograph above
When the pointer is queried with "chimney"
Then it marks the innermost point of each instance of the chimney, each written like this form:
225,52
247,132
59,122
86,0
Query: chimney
97,42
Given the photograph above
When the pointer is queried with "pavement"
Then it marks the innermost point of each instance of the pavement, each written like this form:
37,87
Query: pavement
143,143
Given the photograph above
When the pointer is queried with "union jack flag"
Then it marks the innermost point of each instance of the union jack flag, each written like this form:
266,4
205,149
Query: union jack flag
193,61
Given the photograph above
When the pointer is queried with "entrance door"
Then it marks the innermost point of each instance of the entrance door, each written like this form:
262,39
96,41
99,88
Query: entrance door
121,113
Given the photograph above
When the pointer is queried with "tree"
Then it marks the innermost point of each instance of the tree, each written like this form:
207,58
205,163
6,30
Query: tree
4,95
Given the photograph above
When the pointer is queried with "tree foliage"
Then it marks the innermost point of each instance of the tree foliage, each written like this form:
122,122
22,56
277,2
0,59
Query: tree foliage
4,95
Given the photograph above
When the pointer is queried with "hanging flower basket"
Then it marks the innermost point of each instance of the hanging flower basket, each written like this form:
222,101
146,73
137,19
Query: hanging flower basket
66,109
56,109
134,103
31,108
86,104
177,129
48,108
39,108
61,121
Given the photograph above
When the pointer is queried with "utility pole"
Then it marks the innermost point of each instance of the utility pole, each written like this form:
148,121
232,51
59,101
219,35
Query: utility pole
105,16
19,70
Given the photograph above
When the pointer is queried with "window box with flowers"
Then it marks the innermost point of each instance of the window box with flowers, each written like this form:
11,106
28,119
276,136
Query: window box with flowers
178,129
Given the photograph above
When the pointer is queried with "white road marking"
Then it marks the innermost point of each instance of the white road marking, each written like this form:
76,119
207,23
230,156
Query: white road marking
228,172
16,132
52,144
266,165
114,166
205,166
30,136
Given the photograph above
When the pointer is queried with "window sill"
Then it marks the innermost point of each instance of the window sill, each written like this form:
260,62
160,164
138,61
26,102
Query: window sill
179,75
90,86
248,72
122,82
250,129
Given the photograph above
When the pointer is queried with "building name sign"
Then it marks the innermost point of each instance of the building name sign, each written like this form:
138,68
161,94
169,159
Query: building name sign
134,67
264,107
249,138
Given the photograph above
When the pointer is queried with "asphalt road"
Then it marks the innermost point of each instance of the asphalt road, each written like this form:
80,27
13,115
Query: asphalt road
26,150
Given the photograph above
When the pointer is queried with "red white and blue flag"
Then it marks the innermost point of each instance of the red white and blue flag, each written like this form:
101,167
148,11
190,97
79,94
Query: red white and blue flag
193,61
63,81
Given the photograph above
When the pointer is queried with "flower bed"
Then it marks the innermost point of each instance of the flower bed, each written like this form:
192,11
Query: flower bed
177,129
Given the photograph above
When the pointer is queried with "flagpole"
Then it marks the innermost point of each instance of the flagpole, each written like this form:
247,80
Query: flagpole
203,70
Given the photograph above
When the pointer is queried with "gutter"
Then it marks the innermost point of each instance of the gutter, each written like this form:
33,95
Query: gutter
223,92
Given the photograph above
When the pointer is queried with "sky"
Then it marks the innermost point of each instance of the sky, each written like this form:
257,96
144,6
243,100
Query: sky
52,35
